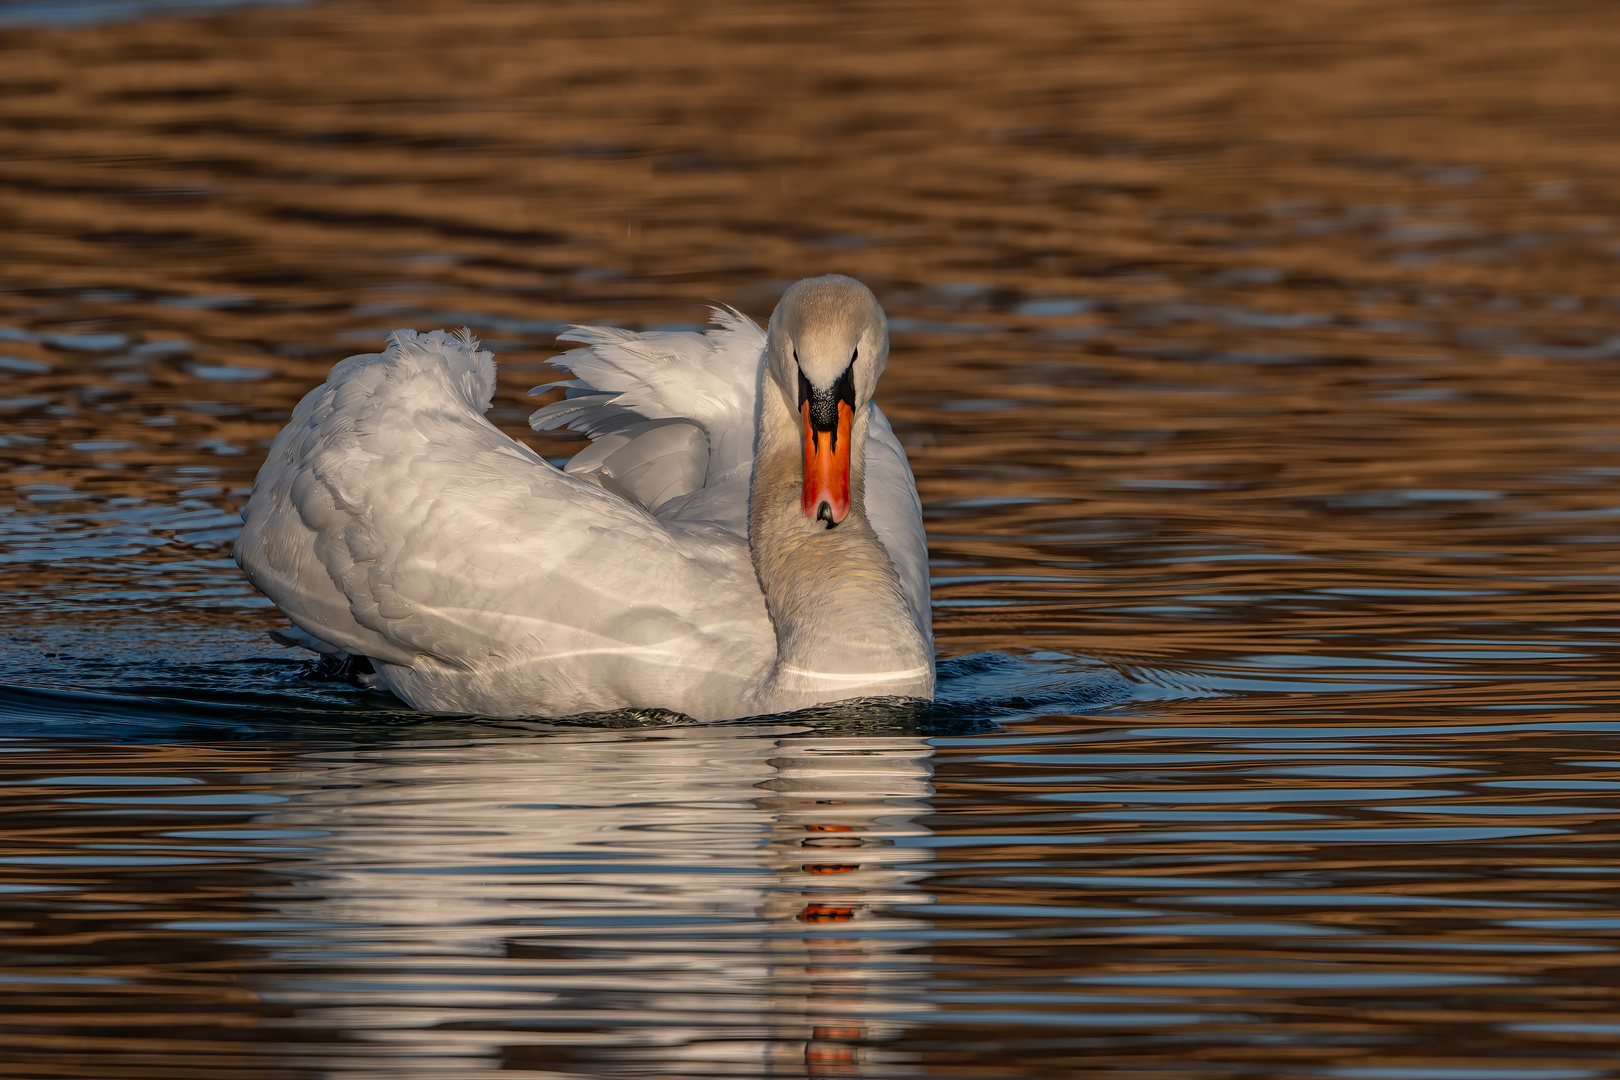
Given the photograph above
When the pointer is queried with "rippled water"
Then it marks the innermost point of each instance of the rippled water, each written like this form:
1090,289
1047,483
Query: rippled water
1258,368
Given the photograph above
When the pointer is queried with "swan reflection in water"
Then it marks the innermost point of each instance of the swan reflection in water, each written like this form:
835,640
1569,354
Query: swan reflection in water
716,898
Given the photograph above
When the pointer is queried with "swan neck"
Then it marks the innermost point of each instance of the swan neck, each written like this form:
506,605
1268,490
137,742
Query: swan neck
843,626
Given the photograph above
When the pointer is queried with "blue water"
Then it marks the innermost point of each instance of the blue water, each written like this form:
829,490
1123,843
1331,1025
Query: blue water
72,13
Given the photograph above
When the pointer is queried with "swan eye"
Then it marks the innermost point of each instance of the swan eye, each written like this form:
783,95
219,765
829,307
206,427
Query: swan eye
804,386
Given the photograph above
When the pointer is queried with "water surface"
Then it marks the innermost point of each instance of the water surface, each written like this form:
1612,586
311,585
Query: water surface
1258,370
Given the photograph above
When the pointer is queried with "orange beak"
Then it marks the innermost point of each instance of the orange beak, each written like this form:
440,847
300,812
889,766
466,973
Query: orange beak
826,467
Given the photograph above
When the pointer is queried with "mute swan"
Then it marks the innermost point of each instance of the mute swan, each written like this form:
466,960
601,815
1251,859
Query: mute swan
742,536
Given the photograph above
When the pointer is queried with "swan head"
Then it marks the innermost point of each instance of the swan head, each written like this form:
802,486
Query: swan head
827,344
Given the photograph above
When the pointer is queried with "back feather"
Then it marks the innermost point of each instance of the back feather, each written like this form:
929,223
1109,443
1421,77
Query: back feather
309,539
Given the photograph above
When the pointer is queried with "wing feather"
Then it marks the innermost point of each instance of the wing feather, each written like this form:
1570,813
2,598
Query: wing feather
895,510
390,512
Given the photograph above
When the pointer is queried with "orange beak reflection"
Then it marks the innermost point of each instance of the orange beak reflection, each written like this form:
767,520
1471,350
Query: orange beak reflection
826,467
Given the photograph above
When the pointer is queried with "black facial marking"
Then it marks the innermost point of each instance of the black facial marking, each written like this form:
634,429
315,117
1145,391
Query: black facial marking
824,403
824,511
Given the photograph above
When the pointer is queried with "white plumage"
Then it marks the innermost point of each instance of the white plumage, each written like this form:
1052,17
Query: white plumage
669,566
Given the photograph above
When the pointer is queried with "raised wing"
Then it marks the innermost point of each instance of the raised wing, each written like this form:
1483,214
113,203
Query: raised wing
643,398
670,415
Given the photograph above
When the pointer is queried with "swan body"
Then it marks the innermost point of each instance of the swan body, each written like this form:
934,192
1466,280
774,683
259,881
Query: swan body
742,536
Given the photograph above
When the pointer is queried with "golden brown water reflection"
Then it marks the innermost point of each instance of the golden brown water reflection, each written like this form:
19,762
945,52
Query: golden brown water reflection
1266,357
